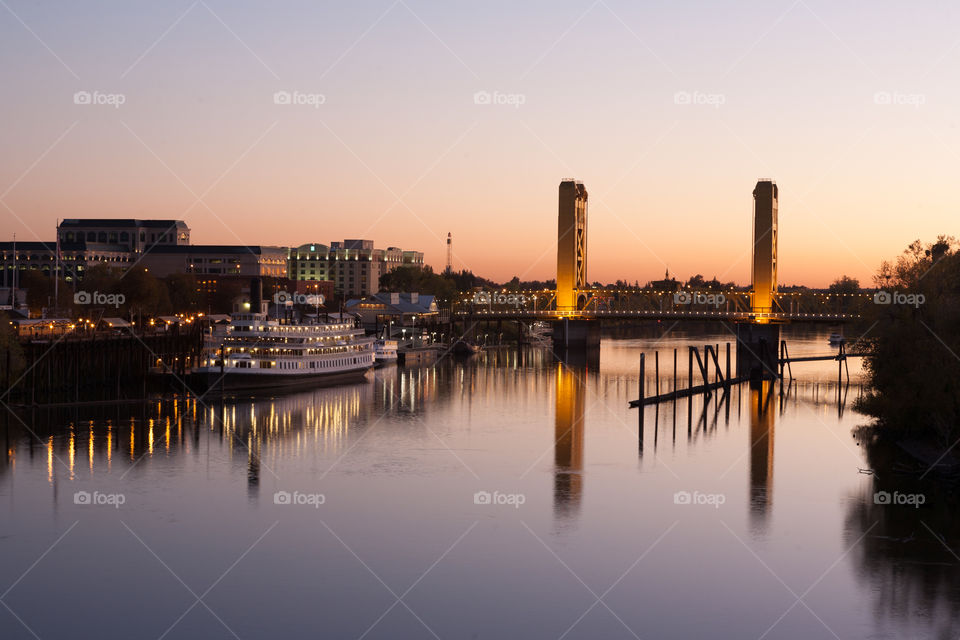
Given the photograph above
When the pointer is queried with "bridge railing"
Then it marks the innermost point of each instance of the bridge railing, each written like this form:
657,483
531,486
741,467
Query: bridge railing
792,304
552,314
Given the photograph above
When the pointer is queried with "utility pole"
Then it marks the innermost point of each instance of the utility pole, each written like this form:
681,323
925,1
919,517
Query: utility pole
56,275
16,272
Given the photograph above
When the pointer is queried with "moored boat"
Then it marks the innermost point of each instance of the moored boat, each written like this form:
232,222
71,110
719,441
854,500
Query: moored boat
255,353
384,352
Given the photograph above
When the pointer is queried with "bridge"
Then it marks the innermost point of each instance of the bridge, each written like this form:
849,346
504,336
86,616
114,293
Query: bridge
575,310
614,314
626,304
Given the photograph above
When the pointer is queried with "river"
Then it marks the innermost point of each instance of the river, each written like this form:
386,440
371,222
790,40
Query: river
504,496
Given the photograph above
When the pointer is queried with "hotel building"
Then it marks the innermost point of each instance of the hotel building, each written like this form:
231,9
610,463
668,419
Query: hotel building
354,266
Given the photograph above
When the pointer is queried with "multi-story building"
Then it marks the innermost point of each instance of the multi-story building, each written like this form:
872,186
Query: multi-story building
75,258
86,242
219,268
354,266
136,236
216,260
349,268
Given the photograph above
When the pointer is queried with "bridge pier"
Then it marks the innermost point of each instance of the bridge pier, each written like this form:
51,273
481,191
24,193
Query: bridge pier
576,334
757,350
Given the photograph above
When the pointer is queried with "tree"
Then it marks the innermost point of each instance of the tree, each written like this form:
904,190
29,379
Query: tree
183,292
101,278
39,289
143,294
409,278
222,299
696,282
845,284
913,379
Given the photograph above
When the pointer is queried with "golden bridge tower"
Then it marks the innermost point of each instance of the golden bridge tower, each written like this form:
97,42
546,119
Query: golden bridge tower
764,273
571,244
759,339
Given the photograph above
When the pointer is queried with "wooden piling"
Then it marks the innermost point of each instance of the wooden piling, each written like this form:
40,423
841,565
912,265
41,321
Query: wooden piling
674,370
728,365
642,381
656,368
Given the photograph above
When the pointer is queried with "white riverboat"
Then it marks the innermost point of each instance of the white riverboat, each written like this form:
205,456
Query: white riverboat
385,351
254,353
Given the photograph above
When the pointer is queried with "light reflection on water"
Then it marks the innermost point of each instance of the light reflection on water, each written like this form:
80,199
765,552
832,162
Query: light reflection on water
399,459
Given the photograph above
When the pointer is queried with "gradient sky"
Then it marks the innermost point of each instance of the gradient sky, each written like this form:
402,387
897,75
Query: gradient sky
400,153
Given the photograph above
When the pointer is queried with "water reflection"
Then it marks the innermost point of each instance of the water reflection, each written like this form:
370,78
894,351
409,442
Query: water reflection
762,420
571,390
405,432
907,557
259,430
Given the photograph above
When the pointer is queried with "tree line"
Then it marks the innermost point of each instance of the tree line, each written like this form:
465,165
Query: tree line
913,371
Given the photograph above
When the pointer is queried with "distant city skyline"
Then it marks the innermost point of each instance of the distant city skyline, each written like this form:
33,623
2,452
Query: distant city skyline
404,121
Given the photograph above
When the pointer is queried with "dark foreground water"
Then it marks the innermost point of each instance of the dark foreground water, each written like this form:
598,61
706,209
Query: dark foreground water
501,497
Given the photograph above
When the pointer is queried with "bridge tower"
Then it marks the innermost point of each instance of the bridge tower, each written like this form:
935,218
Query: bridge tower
571,244
765,196
759,339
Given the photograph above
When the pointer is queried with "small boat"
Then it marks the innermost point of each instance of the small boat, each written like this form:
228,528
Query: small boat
540,330
836,339
384,352
540,334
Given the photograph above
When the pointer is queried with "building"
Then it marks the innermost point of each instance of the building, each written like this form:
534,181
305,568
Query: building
765,205
75,258
136,236
216,260
219,268
42,327
10,301
84,243
398,309
354,266
349,268
667,284
313,287
571,244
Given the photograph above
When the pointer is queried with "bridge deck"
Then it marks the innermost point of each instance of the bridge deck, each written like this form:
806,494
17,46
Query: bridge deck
743,316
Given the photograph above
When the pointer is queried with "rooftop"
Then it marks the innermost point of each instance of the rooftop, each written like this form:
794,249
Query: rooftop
121,222
238,249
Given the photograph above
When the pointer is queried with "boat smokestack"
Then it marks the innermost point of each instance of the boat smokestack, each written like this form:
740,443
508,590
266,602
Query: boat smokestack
256,295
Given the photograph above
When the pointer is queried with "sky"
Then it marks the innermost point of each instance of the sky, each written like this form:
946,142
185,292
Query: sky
401,120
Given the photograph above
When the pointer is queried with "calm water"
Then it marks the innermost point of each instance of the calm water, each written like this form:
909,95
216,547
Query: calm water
352,512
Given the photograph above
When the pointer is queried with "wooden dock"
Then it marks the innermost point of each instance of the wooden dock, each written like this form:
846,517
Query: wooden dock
722,379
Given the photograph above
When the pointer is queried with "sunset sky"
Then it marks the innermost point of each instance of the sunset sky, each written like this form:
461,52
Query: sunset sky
853,110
